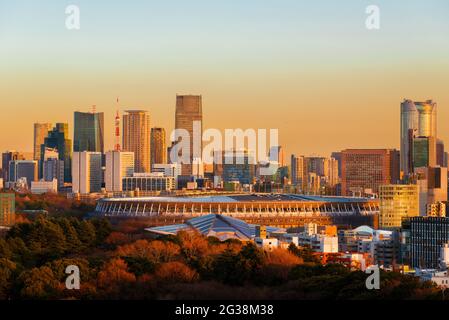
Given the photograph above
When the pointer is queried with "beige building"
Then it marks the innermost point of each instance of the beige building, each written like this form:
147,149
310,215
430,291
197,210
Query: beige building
397,202
40,133
119,164
136,138
189,110
158,146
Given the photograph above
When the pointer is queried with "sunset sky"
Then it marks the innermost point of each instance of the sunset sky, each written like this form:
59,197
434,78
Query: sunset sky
309,68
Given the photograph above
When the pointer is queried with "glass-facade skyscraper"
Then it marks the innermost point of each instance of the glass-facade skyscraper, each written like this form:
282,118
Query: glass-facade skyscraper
418,119
89,132
58,139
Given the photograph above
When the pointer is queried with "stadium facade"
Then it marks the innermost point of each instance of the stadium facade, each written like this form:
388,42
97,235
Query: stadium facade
283,210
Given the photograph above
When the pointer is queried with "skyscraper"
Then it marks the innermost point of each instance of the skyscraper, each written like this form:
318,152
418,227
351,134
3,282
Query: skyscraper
418,119
58,138
136,138
424,153
158,146
86,172
19,169
238,166
440,153
40,133
189,111
367,169
6,158
89,132
119,164
298,171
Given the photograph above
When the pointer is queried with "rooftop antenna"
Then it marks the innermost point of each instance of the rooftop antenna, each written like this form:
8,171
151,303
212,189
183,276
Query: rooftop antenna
117,128
94,108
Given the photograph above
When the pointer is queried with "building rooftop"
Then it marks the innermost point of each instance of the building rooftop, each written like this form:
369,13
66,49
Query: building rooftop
220,226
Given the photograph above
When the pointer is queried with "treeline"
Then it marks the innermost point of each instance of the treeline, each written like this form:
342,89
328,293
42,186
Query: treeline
113,265
55,204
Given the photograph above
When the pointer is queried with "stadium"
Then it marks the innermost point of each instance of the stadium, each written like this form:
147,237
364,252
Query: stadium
281,210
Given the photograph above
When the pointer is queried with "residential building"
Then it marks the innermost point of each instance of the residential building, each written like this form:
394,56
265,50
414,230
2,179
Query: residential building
136,138
158,146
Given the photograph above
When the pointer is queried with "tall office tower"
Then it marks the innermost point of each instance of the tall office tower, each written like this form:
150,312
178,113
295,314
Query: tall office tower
53,168
88,132
158,146
58,138
7,209
119,164
40,133
19,169
424,153
367,169
277,153
337,157
332,174
298,171
189,111
440,153
136,138
432,182
418,119
86,172
395,166
238,166
7,157
396,203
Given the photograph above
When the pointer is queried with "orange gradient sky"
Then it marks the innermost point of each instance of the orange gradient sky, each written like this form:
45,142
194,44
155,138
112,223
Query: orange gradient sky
326,82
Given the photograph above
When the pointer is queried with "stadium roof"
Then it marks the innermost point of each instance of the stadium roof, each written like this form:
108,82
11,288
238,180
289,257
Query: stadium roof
244,198
215,225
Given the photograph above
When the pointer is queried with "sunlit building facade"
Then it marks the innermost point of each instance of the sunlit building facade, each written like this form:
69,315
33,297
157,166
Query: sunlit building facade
396,203
136,138
189,111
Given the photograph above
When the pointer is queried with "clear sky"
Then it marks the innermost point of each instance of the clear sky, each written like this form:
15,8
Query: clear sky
309,68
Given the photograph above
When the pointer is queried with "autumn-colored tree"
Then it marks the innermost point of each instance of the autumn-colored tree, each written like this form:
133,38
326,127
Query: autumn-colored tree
114,279
7,270
283,257
155,251
116,239
176,272
39,283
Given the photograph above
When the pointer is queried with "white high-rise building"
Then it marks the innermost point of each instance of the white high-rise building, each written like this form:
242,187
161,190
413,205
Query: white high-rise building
86,172
119,164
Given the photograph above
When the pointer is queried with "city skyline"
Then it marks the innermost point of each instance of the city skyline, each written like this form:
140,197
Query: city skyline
300,67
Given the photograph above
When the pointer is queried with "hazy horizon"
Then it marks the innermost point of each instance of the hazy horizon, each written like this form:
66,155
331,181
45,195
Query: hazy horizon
312,70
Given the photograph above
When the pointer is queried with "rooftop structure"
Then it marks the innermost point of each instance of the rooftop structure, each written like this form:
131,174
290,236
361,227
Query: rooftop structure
215,225
286,210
